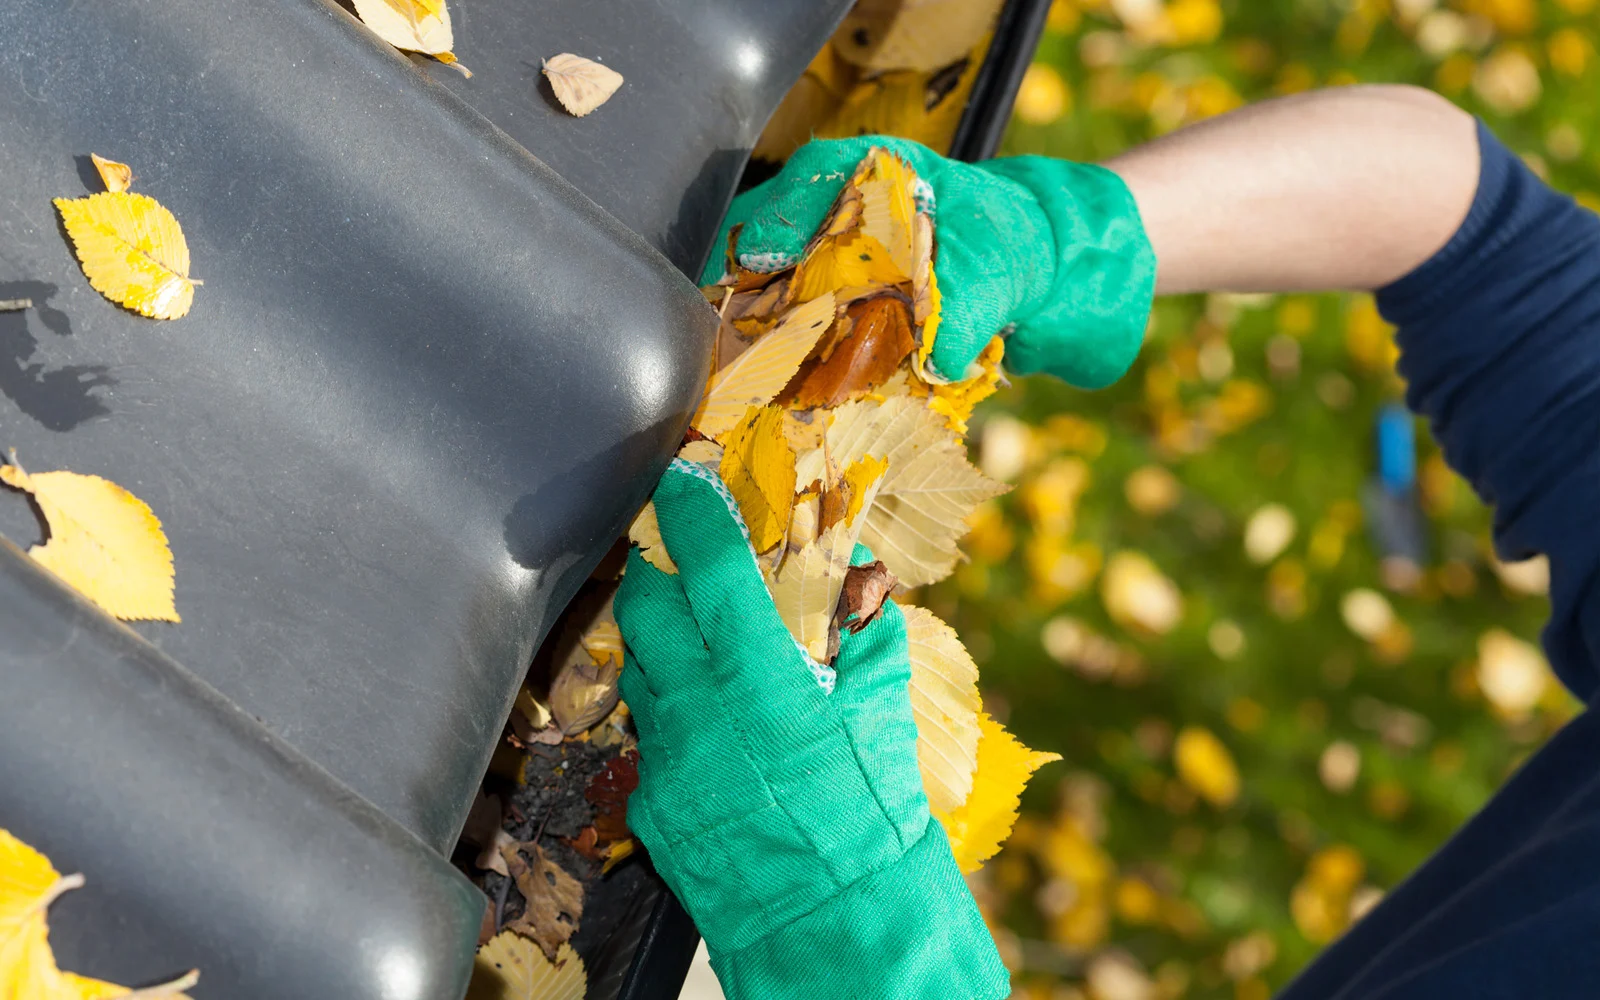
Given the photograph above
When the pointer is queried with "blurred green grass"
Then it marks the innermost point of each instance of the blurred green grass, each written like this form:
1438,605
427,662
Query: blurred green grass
1362,730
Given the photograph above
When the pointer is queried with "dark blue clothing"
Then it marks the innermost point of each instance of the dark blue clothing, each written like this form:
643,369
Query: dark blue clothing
1500,346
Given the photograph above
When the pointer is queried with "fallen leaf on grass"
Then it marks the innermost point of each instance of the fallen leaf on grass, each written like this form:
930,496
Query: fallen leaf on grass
29,883
580,84
510,967
117,177
981,824
758,468
132,251
103,541
945,704
554,898
760,373
413,25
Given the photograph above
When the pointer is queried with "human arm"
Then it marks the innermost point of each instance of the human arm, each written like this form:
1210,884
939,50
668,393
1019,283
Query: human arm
1345,188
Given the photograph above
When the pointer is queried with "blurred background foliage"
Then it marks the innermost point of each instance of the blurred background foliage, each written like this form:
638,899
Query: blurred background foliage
1275,691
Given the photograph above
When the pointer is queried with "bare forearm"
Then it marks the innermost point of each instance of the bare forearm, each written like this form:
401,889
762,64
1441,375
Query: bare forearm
1346,188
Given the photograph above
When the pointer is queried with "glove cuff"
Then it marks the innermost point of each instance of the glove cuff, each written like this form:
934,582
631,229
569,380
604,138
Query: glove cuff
910,931
1091,325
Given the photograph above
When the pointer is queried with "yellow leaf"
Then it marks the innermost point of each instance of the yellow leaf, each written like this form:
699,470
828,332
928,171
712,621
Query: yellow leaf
925,496
580,84
702,453
982,823
603,642
1137,596
510,967
1205,765
29,883
944,701
806,585
758,467
889,35
104,541
645,532
849,260
132,251
888,206
858,479
118,177
925,298
761,372
414,25
956,400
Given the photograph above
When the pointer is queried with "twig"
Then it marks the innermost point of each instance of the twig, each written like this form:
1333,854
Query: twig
15,305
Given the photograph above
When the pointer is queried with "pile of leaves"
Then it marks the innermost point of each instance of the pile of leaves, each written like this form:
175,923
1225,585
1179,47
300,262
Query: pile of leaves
893,67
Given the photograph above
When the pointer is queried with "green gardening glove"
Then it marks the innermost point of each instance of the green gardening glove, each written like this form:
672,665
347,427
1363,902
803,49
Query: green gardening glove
1049,253
780,798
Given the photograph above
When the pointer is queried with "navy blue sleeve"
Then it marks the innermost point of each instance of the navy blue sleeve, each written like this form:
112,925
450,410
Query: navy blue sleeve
1499,334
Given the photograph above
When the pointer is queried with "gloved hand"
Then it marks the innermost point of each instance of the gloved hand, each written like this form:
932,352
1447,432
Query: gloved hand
1049,251
790,821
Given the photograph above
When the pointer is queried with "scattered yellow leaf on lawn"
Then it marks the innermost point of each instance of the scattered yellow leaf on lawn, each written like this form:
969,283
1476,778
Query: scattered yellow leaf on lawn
510,967
645,532
925,496
760,373
29,883
758,467
981,824
132,250
103,540
944,701
1205,765
118,177
580,84
413,25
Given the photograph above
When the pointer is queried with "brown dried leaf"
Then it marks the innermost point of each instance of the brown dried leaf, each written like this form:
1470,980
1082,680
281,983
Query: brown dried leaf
869,352
580,84
554,898
865,589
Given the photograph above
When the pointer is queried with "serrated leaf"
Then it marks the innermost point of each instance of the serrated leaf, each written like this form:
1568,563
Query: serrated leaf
645,532
761,372
132,250
981,824
413,25
925,496
851,259
955,401
580,84
758,467
104,541
510,967
944,701
806,587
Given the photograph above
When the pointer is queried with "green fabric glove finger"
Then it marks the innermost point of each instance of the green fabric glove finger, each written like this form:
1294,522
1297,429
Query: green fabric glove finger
794,204
704,532
1088,327
871,696
658,628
